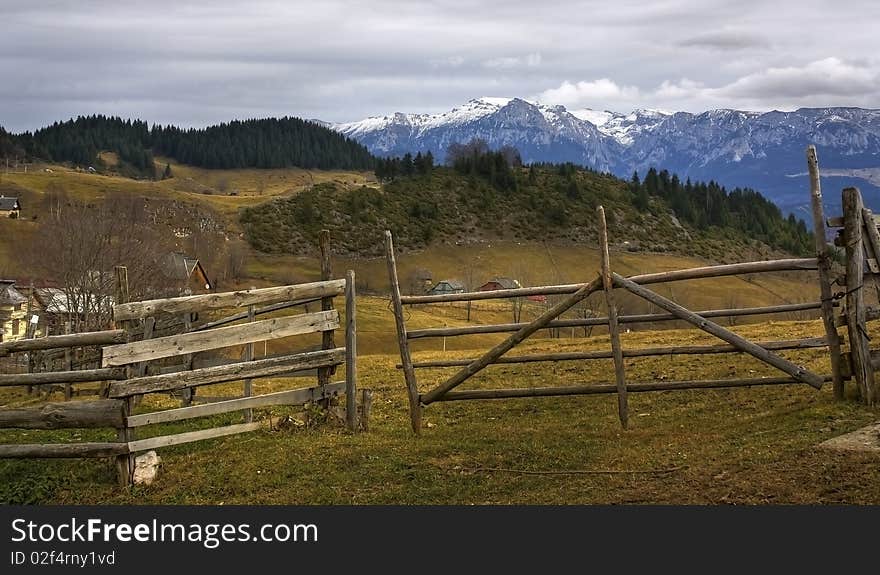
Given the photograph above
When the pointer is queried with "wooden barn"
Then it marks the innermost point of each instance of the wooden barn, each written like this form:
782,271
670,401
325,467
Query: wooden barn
508,283
499,283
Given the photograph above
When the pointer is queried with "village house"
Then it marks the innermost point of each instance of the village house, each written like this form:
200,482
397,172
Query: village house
509,283
499,283
187,274
446,286
9,207
54,307
13,312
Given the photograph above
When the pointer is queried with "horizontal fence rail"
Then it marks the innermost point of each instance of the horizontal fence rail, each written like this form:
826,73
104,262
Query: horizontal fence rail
225,373
257,312
792,264
62,450
292,397
71,340
195,303
69,414
808,343
599,321
192,342
603,388
191,436
49,377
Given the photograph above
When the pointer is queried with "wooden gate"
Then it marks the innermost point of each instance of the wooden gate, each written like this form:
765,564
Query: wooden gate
607,282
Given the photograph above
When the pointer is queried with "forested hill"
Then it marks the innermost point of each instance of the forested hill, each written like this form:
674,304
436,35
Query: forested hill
267,143
485,197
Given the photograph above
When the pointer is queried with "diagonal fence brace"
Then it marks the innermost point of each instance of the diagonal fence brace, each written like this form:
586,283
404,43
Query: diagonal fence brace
516,338
796,371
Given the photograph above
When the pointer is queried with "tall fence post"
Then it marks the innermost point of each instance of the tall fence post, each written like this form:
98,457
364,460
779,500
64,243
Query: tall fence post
613,329
350,353
68,365
824,260
409,374
856,317
325,373
125,462
188,396
249,356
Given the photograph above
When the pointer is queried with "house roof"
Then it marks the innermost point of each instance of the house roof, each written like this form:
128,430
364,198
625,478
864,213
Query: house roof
9,295
506,283
454,284
54,300
180,266
9,204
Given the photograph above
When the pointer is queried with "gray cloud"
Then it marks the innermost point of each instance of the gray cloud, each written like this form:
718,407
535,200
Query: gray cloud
198,62
726,40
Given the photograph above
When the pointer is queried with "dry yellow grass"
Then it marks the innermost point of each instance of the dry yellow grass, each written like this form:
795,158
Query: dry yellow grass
744,446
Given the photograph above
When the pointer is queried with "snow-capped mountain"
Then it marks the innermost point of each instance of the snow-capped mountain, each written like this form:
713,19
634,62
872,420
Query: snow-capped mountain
540,133
736,148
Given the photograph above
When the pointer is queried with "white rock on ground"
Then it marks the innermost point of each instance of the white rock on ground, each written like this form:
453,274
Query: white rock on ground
146,467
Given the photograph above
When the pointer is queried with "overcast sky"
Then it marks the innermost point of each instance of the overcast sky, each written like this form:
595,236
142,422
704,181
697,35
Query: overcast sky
196,62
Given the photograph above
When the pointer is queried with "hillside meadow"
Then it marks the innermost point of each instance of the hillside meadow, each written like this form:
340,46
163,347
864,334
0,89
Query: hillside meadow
737,446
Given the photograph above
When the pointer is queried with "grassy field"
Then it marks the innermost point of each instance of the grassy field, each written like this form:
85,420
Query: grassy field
224,190
738,446
704,446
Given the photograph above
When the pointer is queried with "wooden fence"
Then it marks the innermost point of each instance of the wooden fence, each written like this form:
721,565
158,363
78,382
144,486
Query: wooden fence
857,363
132,366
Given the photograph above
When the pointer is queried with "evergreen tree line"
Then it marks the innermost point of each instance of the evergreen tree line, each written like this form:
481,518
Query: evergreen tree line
9,147
475,158
707,204
389,169
267,143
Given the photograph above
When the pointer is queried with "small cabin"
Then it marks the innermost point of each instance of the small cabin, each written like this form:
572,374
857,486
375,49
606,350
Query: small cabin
10,207
13,312
509,283
443,287
53,307
499,283
186,273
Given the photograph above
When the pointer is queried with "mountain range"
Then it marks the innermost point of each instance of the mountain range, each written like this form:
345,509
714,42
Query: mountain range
764,151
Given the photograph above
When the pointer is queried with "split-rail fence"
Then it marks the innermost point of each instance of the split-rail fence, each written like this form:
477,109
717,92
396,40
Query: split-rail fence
859,234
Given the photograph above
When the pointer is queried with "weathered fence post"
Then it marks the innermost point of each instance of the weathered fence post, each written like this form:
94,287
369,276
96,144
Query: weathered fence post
350,352
613,329
189,394
68,365
415,409
824,261
366,407
871,240
325,373
856,322
249,356
125,462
